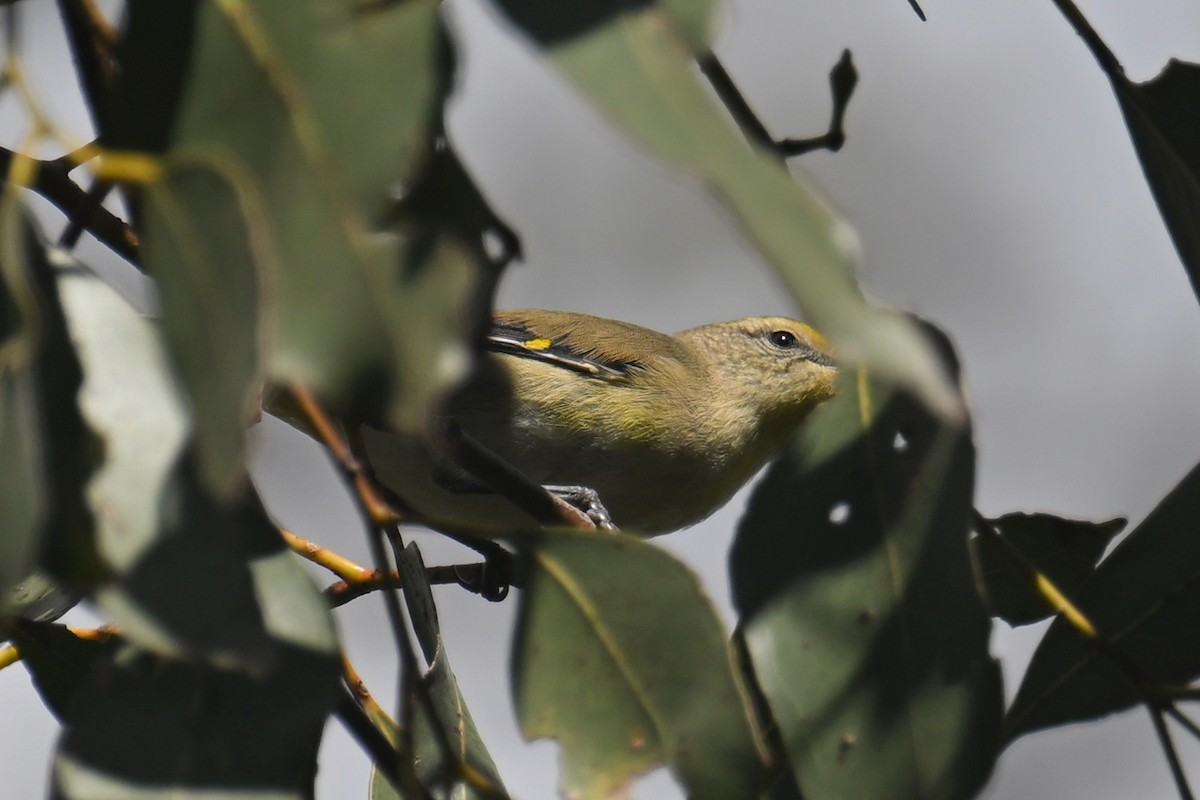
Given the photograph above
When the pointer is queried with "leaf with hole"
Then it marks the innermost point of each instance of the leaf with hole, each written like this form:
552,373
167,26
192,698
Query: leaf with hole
858,609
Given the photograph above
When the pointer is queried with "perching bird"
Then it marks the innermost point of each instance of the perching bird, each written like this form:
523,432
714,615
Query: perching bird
664,428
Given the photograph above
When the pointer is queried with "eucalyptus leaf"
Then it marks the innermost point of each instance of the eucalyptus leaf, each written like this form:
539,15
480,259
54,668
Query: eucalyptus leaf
458,729
61,663
620,657
1143,600
1064,551
269,226
153,727
1163,116
47,452
858,609
39,598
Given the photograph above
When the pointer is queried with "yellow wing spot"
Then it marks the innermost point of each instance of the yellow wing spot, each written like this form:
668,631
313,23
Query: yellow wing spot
537,344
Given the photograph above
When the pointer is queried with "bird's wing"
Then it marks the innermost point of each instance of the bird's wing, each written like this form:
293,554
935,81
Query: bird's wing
595,346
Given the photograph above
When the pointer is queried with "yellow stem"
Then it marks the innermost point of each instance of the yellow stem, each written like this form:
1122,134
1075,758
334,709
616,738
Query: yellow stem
339,565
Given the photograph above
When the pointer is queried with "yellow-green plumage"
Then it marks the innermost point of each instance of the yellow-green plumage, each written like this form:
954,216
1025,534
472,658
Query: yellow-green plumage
665,428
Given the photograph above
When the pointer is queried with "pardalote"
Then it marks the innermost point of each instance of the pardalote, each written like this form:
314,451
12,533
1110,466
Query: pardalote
664,428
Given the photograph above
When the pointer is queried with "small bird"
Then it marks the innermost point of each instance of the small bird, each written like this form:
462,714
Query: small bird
664,428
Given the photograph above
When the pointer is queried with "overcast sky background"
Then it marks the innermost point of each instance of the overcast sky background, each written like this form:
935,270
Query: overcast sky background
995,191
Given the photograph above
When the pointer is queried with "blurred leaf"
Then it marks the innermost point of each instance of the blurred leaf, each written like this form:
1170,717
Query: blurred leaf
192,592
46,450
635,64
270,231
619,655
130,399
1163,116
452,714
221,725
60,662
154,54
1144,599
859,611
1063,550
176,556
39,598
152,727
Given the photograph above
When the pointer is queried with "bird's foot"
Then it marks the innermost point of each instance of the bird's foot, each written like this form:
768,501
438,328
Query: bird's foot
586,500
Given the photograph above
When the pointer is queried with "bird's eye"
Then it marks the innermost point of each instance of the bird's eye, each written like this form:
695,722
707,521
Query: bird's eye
783,339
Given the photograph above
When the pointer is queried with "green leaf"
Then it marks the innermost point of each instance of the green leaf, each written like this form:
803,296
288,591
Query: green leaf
1163,116
130,399
39,598
620,656
635,65
61,663
152,727
46,451
1063,550
271,230
241,714
451,712
867,637
1144,599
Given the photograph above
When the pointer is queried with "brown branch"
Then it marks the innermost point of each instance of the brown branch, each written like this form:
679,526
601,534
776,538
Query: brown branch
475,577
52,181
381,521
92,41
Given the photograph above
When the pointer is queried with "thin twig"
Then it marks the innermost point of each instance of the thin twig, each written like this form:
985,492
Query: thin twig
1183,720
1164,739
472,577
383,755
52,181
381,521
842,78
322,556
1108,62
91,50
732,97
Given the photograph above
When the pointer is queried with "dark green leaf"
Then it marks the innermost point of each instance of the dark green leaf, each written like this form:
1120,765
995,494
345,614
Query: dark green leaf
635,64
154,53
46,451
1163,116
619,656
271,232
1144,599
1063,550
151,727
452,714
176,556
222,725
39,598
859,611
61,662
